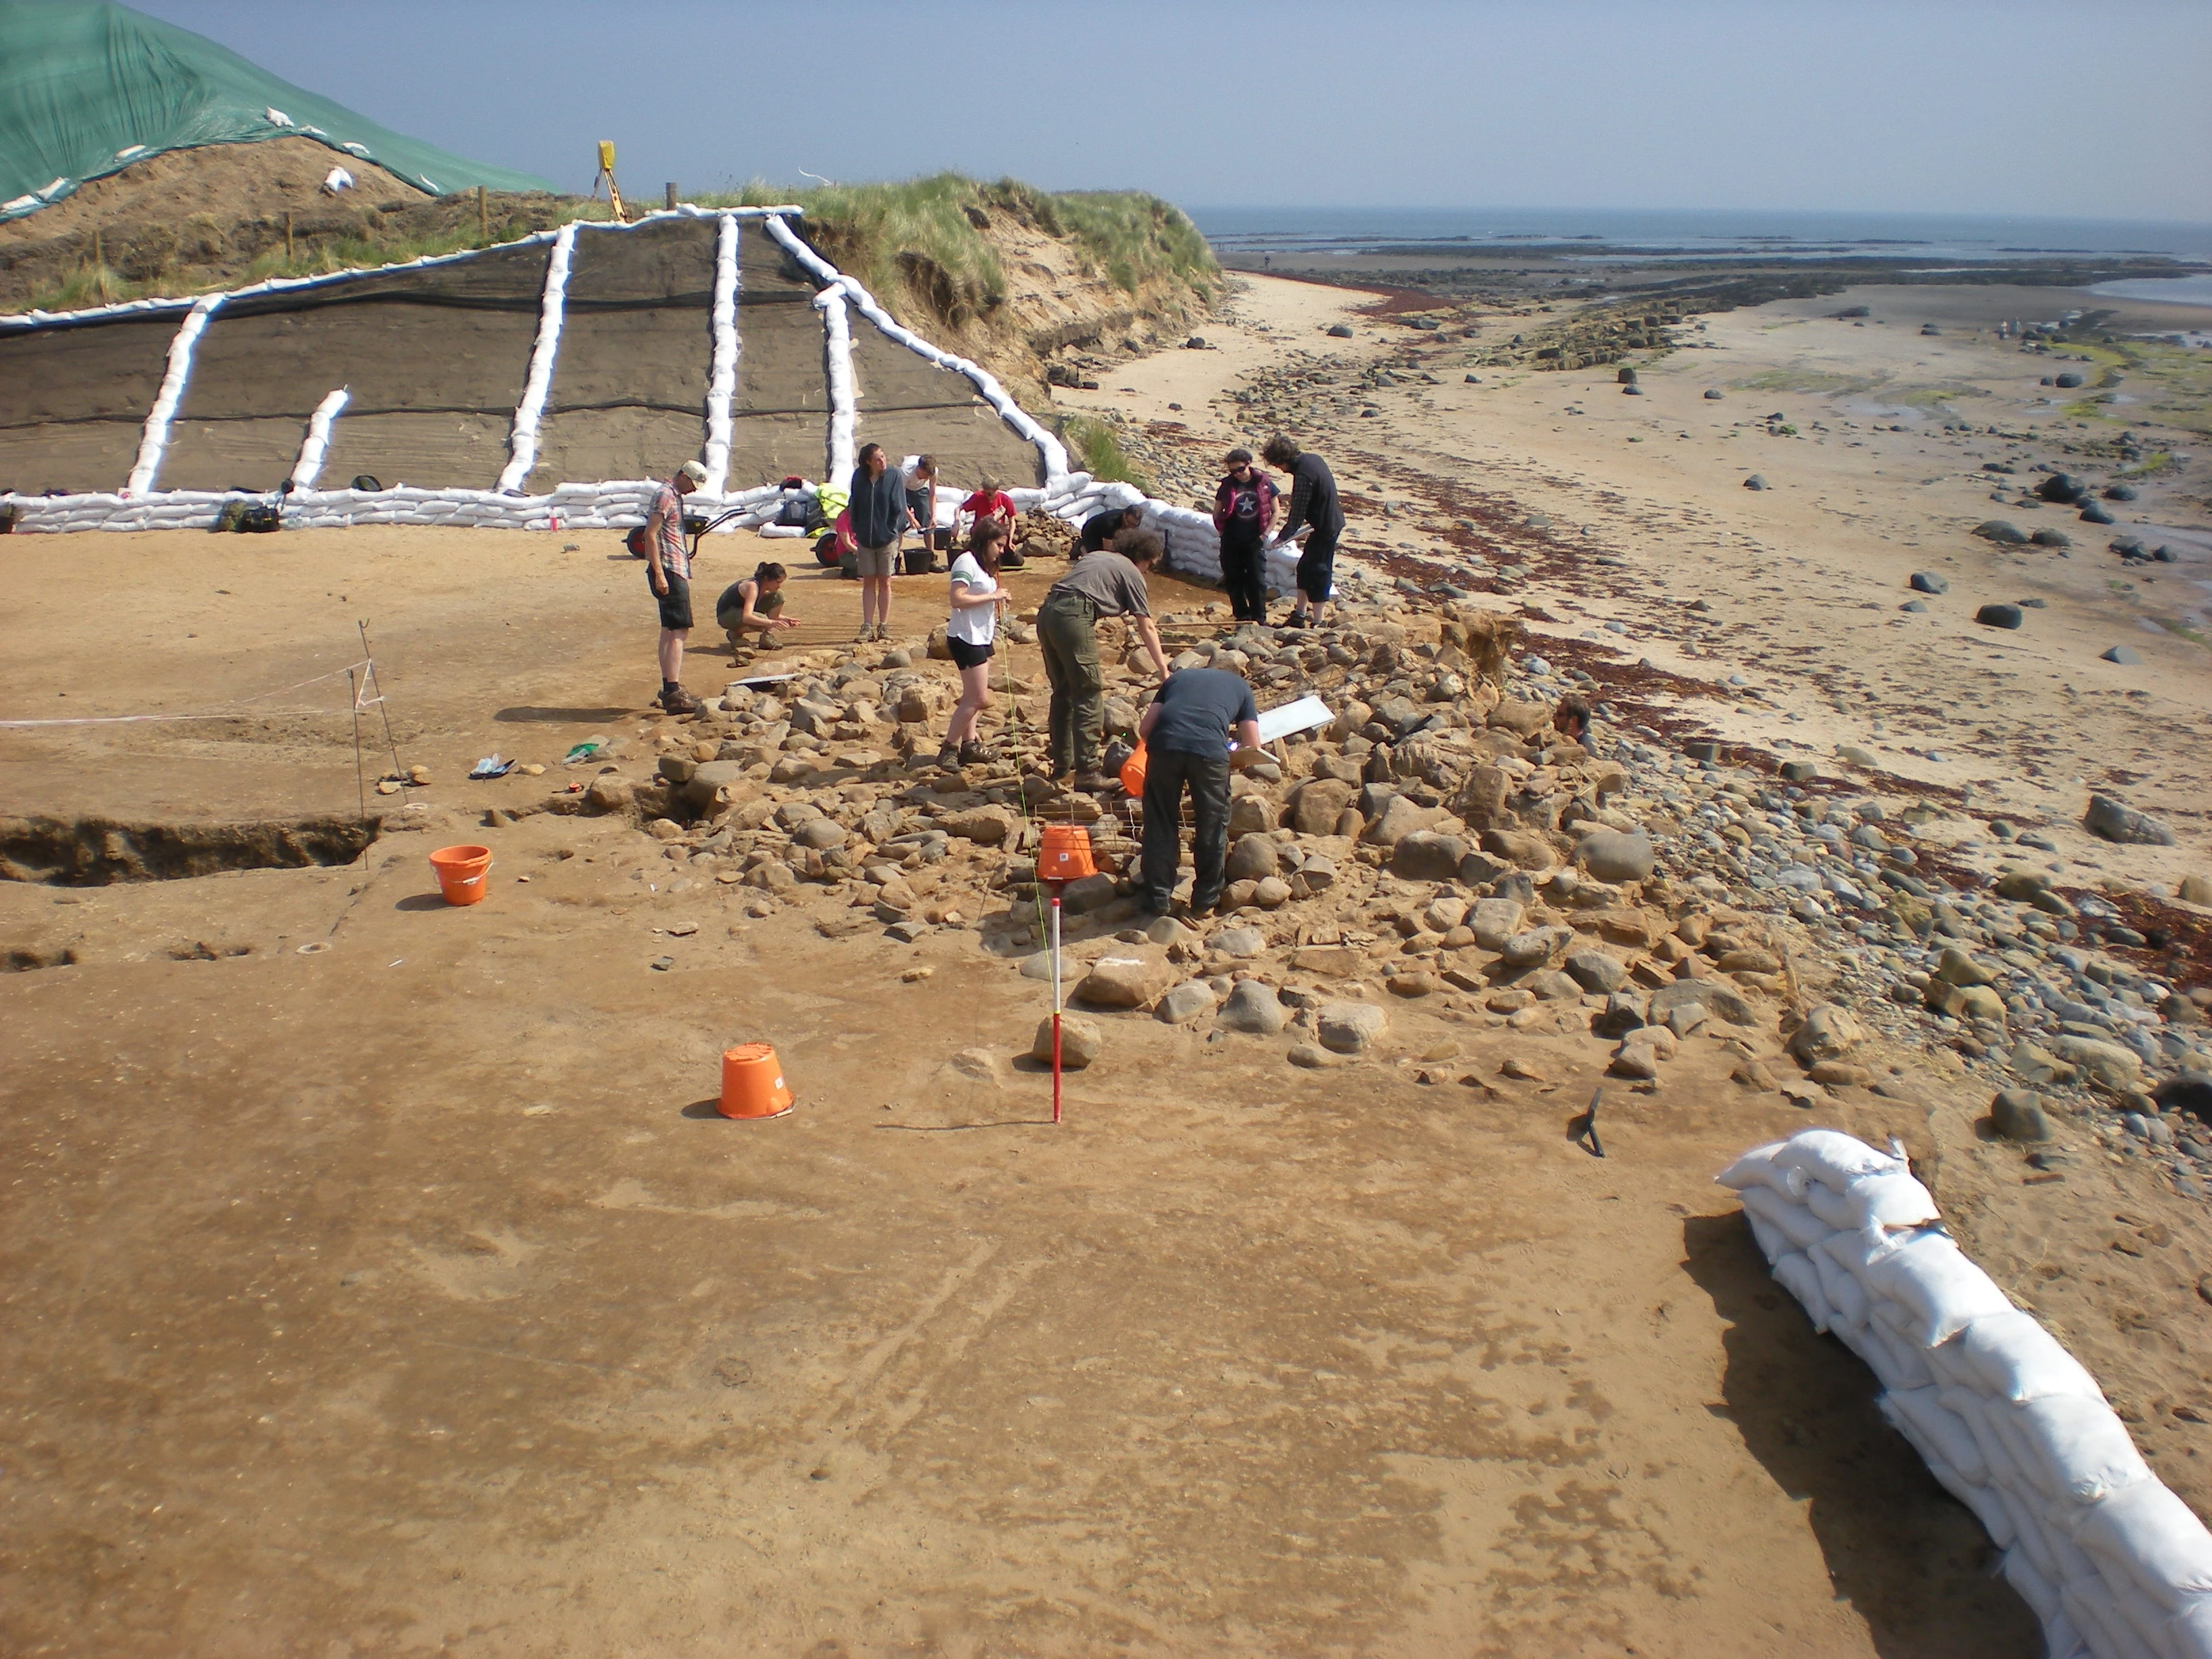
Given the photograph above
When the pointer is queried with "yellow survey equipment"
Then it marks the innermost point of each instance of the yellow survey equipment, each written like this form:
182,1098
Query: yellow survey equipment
607,171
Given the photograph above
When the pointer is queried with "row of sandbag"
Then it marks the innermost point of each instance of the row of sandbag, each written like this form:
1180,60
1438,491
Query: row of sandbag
2112,1561
613,505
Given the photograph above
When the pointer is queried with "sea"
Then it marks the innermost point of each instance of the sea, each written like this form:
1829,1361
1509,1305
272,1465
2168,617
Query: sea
1611,234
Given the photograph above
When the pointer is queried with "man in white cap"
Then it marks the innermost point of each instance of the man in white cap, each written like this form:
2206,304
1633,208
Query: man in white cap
668,573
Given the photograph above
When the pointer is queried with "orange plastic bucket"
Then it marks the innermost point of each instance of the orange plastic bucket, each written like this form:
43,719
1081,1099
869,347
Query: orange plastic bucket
461,872
1133,772
1064,854
752,1082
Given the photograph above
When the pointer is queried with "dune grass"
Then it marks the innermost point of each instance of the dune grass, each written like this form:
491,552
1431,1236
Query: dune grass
1097,449
926,236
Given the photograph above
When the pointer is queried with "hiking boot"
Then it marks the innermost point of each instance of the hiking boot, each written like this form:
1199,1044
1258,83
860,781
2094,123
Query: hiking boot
974,754
949,759
1091,782
680,701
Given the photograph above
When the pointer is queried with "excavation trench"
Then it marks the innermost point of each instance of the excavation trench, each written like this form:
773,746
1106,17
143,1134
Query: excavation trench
92,852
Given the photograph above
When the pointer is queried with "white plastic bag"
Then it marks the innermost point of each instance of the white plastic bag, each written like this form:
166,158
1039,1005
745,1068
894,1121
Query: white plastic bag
1937,1426
2084,1450
2143,1533
1795,1275
2015,1358
1796,1223
1945,1292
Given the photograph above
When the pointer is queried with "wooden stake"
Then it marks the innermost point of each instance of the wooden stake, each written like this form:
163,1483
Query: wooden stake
360,775
99,266
671,197
287,237
483,216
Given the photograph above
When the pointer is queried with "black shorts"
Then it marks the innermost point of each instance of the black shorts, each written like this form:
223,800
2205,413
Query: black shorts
1317,566
965,655
675,604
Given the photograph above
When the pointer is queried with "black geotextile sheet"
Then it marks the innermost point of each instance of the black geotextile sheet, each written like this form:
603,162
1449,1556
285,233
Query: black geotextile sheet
434,360
780,418
74,399
912,407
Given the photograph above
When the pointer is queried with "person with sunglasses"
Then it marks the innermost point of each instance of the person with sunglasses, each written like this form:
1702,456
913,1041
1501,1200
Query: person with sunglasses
1243,510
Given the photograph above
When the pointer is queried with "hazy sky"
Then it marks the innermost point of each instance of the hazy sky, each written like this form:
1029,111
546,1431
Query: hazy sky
1941,106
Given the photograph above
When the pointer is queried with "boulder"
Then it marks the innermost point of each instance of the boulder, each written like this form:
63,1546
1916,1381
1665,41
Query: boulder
1091,893
1622,1013
2018,1115
1930,582
986,825
708,779
2000,616
821,834
1398,819
1482,799
2126,655
1250,814
1536,944
1613,855
1188,1001
1349,1028
1956,968
1997,531
1524,719
1494,921
1239,942
2109,1063
1427,855
1270,893
1312,1056
1828,1032
1519,848
2112,820
1255,1007
1317,804
1596,972
1081,1042
1254,858
1125,980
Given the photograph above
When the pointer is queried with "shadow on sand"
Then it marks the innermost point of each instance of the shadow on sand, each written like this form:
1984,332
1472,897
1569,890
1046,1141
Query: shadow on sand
1912,1561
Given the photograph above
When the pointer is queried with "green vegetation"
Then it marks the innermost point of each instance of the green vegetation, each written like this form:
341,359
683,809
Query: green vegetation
924,237
1810,382
1096,450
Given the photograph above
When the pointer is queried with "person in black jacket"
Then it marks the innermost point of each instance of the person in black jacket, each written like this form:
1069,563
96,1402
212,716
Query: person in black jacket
1100,528
1313,503
880,517
1243,508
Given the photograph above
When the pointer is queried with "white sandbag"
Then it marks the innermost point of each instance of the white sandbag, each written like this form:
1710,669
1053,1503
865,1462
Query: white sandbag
2089,1604
2061,1641
2029,1528
782,532
1795,1275
1945,1292
1989,1507
1890,1200
2150,1623
154,437
2190,1635
2014,1357
1831,1157
1856,1252
2035,1587
1794,1220
722,374
1939,1427
1773,1244
2083,1448
1846,1295
2144,1534
1996,1455
1833,1209
1877,1356
522,439
1908,1363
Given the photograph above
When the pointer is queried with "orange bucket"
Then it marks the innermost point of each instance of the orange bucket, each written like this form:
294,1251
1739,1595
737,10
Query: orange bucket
1133,772
461,872
752,1082
1064,854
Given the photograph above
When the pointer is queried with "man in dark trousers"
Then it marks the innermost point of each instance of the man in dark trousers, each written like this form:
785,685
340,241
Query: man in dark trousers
1313,502
1186,733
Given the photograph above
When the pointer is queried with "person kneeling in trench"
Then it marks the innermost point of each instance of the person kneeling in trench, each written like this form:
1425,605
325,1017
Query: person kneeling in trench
1186,733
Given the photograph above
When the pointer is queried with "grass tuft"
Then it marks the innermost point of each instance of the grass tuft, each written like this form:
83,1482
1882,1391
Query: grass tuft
1097,449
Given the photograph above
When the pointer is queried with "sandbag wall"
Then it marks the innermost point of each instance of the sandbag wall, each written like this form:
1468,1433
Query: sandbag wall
2113,1564
778,359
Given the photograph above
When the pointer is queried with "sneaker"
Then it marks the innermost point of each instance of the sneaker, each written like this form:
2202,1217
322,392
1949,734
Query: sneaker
1296,619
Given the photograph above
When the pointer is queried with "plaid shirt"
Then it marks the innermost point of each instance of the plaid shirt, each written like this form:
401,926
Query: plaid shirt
675,559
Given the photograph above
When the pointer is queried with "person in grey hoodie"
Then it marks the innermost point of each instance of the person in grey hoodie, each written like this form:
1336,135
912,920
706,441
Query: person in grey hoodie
879,515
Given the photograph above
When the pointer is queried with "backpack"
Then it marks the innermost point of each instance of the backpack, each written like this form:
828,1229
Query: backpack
797,512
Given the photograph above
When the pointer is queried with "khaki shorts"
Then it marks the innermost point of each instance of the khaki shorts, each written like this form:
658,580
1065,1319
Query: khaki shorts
876,560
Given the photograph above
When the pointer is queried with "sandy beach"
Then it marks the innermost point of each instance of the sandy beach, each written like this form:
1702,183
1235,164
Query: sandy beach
384,1281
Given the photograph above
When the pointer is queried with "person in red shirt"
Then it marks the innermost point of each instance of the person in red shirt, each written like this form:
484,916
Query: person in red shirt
989,502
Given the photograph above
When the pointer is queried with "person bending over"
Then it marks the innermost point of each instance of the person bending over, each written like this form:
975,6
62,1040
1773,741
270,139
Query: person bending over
920,482
877,513
1186,733
1315,504
1243,508
1108,583
668,573
971,635
1100,528
754,605
988,502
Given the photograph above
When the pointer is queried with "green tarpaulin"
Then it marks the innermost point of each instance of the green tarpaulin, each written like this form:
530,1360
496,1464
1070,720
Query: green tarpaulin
87,87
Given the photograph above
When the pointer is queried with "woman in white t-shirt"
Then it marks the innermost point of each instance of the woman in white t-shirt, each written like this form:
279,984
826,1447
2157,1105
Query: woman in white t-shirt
971,635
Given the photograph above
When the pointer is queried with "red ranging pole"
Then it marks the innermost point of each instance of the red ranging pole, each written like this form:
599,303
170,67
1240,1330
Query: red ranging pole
1056,887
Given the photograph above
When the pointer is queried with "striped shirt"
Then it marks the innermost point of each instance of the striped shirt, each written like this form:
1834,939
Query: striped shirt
675,559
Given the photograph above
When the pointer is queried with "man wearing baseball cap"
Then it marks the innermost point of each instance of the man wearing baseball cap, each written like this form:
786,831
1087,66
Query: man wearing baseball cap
668,573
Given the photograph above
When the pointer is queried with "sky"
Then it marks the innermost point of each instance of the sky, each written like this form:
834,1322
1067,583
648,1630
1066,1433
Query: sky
2043,107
